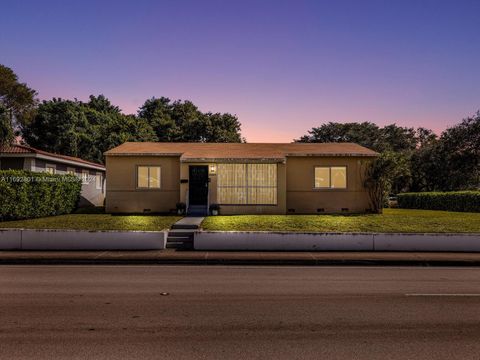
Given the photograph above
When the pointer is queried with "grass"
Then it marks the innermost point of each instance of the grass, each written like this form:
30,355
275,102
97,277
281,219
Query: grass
391,221
96,222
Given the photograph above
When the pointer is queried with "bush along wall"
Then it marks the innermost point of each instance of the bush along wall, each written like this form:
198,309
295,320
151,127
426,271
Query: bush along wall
25,194
450,201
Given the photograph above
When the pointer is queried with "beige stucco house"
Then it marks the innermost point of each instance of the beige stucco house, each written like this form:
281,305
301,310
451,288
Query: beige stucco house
242,178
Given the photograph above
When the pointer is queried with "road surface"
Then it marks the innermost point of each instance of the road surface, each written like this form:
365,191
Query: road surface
202,312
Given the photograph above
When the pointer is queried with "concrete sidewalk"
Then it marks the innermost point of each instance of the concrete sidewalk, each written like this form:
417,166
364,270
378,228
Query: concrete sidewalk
174,257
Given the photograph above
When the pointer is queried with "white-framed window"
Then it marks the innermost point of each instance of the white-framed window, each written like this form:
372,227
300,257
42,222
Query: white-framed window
148,177
50,168
99,181
330,177
70,171
85,175
247,184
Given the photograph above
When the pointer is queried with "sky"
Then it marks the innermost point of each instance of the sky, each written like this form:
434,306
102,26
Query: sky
282,67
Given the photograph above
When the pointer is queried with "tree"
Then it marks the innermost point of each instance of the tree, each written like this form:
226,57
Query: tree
6,131
118,130
460,154
427,170
397,138
425,137
379,176
222,128
451,162
17,102
60,126
189,122
84,130
101,104
388,138
182,121
366,134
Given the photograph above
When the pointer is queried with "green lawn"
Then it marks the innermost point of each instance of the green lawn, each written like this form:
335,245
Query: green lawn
392,220
96,222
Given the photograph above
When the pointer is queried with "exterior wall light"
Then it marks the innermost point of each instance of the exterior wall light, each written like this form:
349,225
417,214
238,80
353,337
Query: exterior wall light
212,169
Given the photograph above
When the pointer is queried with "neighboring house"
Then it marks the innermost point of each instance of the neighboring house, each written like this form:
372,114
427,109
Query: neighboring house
303,178
21,157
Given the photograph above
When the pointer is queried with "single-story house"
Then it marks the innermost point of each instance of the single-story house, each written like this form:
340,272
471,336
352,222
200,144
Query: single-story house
22,157
243,178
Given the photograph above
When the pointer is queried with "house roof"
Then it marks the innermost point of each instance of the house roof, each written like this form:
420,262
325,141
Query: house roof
28,151
238,151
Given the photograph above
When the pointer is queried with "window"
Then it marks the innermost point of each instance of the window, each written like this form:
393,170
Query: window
50,168
70,171
148,177
333,177
247,184
338,177
85,176
98,181
322,177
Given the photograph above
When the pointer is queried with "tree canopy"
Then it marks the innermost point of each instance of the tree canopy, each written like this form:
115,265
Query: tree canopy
6,130
17,103
86,130
182,121
387,138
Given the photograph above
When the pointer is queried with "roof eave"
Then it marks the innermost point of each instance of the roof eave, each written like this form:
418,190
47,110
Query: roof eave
334,155
107,153
71,162
55,159
239,160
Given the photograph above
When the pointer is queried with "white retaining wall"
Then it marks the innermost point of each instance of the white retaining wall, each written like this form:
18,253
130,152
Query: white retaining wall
26,239
252,240
427,242
10,240
289,241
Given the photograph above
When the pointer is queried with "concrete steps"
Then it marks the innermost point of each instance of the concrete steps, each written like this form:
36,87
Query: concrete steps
180,239
181,234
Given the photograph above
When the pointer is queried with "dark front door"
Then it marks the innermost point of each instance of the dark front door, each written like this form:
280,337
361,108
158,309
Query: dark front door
198,185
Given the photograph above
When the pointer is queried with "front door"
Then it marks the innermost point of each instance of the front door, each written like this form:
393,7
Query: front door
198,185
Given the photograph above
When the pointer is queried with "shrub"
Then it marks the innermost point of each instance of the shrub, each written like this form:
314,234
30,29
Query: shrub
26,194
450,201
380,175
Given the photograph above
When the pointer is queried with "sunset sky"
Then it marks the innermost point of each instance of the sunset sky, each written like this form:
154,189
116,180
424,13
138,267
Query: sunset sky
281,66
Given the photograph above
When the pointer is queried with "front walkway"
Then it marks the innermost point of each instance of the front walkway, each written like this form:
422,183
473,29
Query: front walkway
188,222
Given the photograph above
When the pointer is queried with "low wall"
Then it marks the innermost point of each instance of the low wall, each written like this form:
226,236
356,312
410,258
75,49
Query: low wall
27,239
281,241
289,241
427,242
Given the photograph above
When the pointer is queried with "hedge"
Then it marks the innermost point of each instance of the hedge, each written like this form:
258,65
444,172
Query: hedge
450,201
26,194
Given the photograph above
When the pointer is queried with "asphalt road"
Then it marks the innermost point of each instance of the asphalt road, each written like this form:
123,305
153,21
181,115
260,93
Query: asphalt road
182,312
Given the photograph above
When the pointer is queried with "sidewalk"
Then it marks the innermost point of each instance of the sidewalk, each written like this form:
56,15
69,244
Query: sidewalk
174,257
